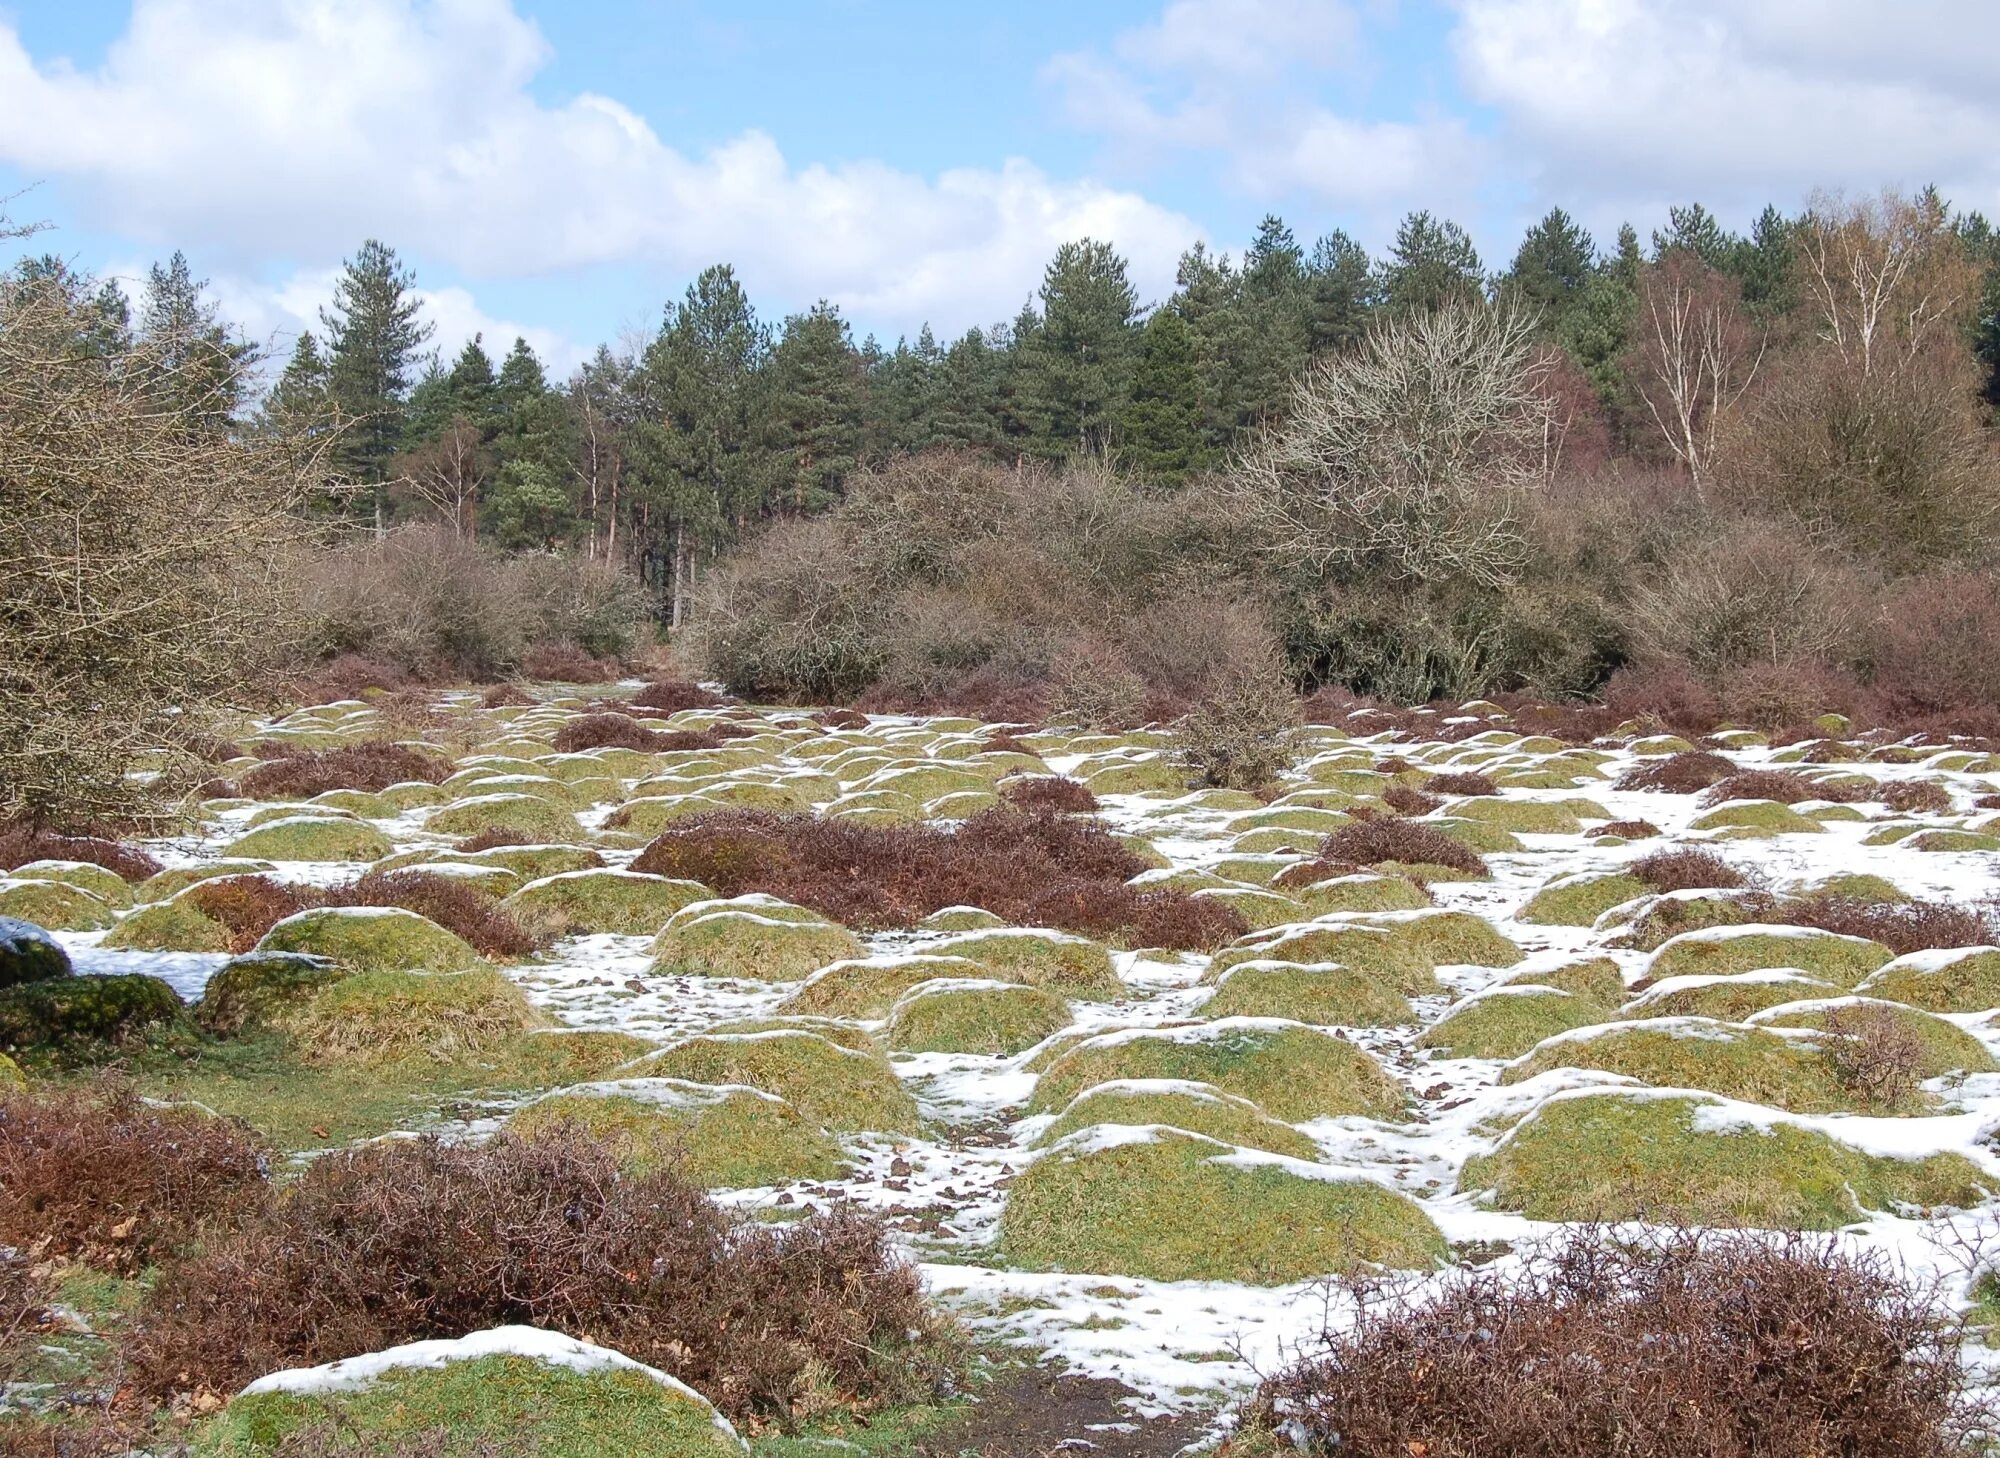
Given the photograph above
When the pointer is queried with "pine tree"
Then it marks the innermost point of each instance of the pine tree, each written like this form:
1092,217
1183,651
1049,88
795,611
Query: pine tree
1208,295
810,415
1277,334
969,393
1551,268
298,403
1763,264
1161,434
1431,263
1076,367
470,382
374,337
1695,228
1340,292
203,363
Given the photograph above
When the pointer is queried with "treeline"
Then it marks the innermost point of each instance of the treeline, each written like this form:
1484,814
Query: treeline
664,454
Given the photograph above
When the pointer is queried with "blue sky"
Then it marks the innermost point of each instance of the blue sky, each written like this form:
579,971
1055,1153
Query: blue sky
562,169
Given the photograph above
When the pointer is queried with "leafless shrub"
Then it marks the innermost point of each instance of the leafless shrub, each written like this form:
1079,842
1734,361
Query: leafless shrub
1694,354
1626,829
1784,786
1670,1346
1678,774
1405,800
1758,596
1874,1054
1050,792
671,695
22,844
1917,797
1905,926
1371,842
1462,782
1244,733
1687,868
299,774
563,661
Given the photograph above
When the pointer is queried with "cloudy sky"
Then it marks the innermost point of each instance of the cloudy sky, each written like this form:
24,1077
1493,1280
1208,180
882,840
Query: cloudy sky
559,168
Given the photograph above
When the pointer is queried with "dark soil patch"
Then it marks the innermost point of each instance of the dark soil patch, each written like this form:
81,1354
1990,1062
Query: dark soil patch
1042,1411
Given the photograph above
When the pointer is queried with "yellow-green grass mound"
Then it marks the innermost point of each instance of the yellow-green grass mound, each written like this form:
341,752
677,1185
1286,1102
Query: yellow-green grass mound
1523,817
522,814
1324,994
56,905
1448,938
1730,999
10,1074
380,1017
1722,951
371,939
836,1088
1579,899
311,838
751,945
997,1019
961,919
1295,1072
171,882
1199,1108
167,926
1686,1158
529,862
517,1391
1947,980
250,990
1361,892
1596,978
1071,965
628,903
869,987
106,886
1376,950
1507,1021
1757,818
1938,1046
726,1137
1259,908
1783,1068
1167,1205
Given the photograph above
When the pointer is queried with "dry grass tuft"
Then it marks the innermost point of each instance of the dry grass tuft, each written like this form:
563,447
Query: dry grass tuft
1371,842
1687,868
1686,773
1050,792
302,773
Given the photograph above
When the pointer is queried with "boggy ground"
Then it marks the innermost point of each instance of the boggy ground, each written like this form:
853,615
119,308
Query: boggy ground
1423,1095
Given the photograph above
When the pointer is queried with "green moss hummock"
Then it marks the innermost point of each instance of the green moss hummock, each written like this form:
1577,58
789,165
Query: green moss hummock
312,838
1447,938
524,814
1730,999
379,1017
1725,950
1760,817
1596,978
1324,995
1523,817
1070,965
56,905
1948,980
836,1088
1687,1158
1362,891
998,1019
1294,1071
1507,1021
1397,960
1579,899
755,945
1944,1047
250,990
868,987
62,1012
106,886
174,925
625,902
1167,1205
371,939
1199,1108
729,1137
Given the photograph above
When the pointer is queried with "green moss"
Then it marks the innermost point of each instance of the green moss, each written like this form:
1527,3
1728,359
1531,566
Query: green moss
249,990
1259,909
312,838
168,926
1448,938
1480,835
1652,923
1134,776
1721,951
624,902
1765,817
106,886
270,814
1954,840
869,987
1893,834
1070,965
1198,1108
1959,980
834,1030
1756,1065
523,814
1858,886
1614,1156
1579,899
1659,744
750,945
719,1137
1293,1071
10,1074
975,1016
29,954
1729,999
1275,840
56,905
1524,817
1398,961
1508,1021
171,882
59,1014
1596,978
834,1087
1253,870
411,795
474,1408
1945,1047
371,939
1325,996
961,919
1362,892
1173,1206
382,1016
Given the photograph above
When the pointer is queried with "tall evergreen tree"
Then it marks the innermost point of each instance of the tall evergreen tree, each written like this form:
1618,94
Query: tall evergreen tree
1431,263
374,338
1763,264
1076,367
1340,292
1551,268
810,414
298,402
969,393
1695,228
203,361
1161,433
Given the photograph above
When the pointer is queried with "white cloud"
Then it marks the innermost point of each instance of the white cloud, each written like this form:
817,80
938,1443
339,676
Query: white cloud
1740,101
292,128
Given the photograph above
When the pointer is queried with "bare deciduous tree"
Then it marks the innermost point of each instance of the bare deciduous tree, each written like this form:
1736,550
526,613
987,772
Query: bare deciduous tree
1694,357
1409,456
1884,277
449,473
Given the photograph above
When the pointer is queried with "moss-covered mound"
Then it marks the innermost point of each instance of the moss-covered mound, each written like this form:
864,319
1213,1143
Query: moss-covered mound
868,987
836,1088
1259,908
107,886
1596,978
751,945
1199,1108
1757,817
626,902
10,1074
1507,1021
63,1012
1950,980
1168,1205
168,926
1684,1158
1724,950
56,905
29,954
1786,1070
312,838
172,882
382,1016
1941,1047
720,1137
1071,965
516,1391
998,1019
1293,1071
1579,899
523,814
1524,817
1381,953
1727,999
249,991
1361,892
961,919
529,862
1325,994
371,939
1448,938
